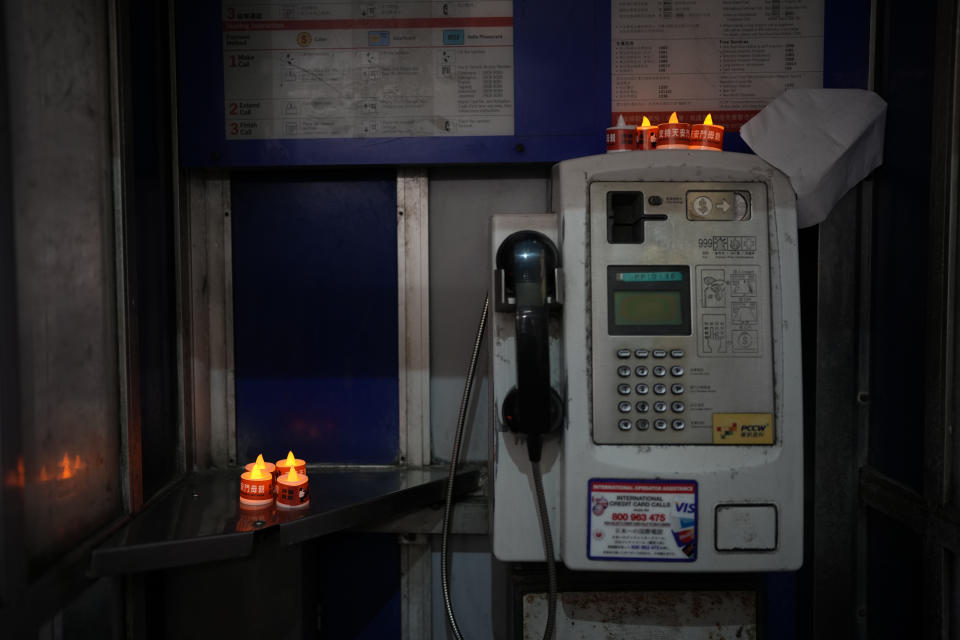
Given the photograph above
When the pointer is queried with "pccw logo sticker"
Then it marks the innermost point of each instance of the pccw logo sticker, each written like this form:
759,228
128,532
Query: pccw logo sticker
743,428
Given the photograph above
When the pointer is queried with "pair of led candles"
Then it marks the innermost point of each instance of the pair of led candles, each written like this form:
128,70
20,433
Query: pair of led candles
668,135
285,482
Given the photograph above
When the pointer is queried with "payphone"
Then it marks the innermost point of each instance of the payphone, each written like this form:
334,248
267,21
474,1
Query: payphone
652,322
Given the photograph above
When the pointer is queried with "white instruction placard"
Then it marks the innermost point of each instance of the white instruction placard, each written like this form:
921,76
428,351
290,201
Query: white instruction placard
650,520
362,69
724,57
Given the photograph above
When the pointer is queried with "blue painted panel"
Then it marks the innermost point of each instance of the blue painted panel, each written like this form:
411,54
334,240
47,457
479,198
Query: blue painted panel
359,587
315,316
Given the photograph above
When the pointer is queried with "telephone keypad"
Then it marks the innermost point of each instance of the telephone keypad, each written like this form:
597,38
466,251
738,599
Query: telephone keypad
643,389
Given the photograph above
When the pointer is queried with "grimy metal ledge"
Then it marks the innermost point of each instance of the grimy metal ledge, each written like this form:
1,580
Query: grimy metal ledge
200,519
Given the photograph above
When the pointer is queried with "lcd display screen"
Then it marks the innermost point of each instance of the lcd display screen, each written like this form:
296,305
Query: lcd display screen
647,308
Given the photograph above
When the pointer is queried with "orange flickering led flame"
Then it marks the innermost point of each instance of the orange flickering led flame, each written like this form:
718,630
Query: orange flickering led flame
259,464
292,476
646,122
708,119
43,474
290,459
673,118
77,463
65,463
257,473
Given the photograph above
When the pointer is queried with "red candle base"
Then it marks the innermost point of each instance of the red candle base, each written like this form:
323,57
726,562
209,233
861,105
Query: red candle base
646,138
256,492
673,135
707,137
293,494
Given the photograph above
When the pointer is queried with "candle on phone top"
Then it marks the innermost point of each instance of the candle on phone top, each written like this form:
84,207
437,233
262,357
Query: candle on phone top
284,466
256,487
268,467
707,136
646,135
621,137
293,490
673,134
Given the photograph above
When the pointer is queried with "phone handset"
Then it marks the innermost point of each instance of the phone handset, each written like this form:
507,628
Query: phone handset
527,274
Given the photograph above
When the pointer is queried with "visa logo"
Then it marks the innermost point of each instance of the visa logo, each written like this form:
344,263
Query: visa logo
686,508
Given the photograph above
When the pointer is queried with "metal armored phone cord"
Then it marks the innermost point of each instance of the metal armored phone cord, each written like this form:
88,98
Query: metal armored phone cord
448,503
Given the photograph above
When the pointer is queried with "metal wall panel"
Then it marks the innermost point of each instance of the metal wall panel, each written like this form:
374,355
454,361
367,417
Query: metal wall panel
315,316
69,467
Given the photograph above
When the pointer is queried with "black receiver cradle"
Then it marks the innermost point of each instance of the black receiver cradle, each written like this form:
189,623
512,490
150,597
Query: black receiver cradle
528,267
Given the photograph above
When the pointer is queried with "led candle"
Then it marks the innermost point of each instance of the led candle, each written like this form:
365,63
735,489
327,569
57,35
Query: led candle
707,136
646,135
673,134
268,467
621,137
256,487
293,490
284,466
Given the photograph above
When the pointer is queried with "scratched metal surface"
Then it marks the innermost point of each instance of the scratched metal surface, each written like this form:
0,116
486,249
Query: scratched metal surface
645,615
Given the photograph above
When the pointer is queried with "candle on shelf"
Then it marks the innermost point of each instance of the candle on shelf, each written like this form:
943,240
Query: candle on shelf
646,135
621,137
256,487
673,134
284,466
268,467
707,136
293,490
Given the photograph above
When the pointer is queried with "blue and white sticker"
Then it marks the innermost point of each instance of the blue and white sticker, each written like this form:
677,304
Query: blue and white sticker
642,520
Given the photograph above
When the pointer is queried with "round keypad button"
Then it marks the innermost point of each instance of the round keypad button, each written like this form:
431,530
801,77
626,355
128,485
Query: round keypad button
676,389
643,424
678,424
623,389
659,371
659,389
623,372
642,389
625,425
624,407
676,371
677,407
660,425
660,406
641,371
643,406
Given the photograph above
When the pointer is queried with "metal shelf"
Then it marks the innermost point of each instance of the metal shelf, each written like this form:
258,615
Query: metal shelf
201,520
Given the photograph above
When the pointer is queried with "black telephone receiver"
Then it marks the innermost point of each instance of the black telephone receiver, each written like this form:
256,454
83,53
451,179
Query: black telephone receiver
527,265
